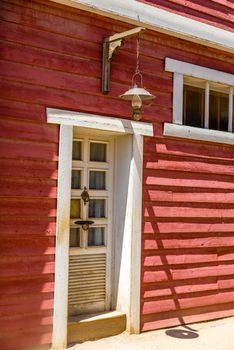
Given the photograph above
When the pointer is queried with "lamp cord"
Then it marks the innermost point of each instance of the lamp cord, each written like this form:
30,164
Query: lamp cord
137,71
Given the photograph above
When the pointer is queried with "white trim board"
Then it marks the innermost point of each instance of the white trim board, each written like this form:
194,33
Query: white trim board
200,72
148,16
128,202
94,121
199,134
62,238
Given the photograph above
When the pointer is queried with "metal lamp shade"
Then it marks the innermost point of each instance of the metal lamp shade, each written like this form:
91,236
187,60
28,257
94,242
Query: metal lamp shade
136,91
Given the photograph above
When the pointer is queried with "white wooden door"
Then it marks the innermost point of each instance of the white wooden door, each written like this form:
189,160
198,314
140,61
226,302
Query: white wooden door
90,250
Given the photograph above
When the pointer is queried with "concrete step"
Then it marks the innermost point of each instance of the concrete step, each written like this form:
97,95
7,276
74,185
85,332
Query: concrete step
95,326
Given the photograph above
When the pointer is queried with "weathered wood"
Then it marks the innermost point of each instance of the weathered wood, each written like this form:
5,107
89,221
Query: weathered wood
217,13
51,57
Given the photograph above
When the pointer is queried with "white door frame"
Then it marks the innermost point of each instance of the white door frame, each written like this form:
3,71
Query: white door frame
130,258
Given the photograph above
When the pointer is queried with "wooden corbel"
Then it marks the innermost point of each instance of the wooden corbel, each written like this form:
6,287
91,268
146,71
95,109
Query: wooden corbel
109,47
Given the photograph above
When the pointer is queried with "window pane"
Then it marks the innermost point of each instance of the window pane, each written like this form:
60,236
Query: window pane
97,152
97,180
224,101
213,111
75,208
77,150
96,236
75,237
218,111
193,106
97,208
76,179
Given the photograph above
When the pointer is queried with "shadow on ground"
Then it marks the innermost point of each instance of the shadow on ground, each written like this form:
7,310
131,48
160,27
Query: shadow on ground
182,333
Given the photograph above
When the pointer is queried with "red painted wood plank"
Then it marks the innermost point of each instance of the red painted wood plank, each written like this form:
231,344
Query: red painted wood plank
151,307
169,274
27,341
28,131
29,169
153,69
182,148
172,289
186,242
26,149
183,179
43,284
69,13
26,187
27,245
185,287
170,319
24,299
50,41
27,207
217,15
64,99
39,57
188,211
192,196
199,10
152,161
42,21
66,81
26,227
22,111
170,226
26,323
25,267
174,259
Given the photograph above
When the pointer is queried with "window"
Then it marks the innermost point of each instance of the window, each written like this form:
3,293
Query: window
90,169
202,103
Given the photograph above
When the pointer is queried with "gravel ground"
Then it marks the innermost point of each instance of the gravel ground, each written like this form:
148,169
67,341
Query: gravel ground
214,335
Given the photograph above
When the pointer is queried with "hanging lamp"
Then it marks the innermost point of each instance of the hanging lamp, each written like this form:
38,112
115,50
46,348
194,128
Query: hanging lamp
137,94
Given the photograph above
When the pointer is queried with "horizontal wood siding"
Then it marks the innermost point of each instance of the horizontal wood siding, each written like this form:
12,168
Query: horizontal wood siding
51,57
219,13
188,240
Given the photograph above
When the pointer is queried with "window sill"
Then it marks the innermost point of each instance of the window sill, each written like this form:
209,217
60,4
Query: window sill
199,134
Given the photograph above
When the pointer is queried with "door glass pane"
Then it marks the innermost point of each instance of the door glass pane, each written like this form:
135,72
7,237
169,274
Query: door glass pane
96,236
77,150
193,106
97,180
74,237
97,152
76,179
75,208
97,208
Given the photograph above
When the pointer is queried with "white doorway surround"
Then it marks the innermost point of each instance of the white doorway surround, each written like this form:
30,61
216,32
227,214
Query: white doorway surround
127,213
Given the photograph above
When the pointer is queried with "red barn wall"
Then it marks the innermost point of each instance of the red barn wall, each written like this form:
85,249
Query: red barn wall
51,57
219,13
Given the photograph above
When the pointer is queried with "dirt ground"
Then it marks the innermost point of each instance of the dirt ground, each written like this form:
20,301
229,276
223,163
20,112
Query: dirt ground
214,335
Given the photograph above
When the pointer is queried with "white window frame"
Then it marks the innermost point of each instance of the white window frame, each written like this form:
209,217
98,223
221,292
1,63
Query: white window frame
177,129
128,190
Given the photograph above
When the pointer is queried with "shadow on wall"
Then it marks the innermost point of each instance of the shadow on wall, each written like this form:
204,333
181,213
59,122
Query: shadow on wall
187,236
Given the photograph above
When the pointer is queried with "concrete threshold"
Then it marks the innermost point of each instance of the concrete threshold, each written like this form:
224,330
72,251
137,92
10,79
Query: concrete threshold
95,326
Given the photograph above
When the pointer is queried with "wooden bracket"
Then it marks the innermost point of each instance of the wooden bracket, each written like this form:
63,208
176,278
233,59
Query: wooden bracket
109,47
